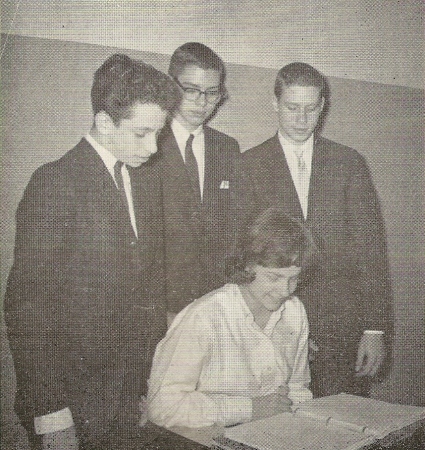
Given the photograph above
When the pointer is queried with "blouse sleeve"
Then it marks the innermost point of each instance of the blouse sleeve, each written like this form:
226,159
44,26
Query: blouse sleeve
173,398
300,379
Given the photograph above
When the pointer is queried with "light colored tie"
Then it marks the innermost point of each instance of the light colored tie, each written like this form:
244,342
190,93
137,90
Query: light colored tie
303,182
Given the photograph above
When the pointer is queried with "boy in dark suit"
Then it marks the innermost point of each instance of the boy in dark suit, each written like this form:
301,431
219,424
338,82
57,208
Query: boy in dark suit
199,179
328,187
85,297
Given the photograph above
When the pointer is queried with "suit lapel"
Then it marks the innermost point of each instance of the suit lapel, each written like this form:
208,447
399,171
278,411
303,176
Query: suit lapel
139,188
113,210
319,175
212,160
175,166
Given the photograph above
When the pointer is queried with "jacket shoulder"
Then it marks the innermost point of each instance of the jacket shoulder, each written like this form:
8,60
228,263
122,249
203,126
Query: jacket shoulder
65,171
261,151
336,150
267,144
224,139
74,157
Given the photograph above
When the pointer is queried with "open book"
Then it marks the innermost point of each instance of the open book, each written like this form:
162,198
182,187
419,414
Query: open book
337,422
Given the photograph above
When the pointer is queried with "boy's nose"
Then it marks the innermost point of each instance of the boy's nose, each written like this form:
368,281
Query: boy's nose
302,117
151,143
202,99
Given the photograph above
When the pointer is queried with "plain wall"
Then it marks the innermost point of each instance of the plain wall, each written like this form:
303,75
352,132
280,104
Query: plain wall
370,40
46,109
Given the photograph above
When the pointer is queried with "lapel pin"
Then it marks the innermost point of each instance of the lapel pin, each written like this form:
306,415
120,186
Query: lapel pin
224,184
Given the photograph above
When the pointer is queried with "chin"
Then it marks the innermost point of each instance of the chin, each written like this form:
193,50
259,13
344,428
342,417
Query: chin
139,162
275,307
197,123
300,139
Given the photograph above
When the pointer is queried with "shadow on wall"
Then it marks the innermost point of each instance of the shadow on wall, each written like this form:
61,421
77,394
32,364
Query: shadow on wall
46,109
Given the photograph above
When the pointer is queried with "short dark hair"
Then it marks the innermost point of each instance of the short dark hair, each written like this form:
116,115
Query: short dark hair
199,55
300,74
121,82
273,240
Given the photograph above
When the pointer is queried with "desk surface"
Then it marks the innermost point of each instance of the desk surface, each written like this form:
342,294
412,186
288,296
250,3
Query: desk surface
151,437
413,438
202,439
167,440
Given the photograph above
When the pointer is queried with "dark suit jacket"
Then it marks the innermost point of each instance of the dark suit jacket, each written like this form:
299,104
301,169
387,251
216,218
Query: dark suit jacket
198,236
347,291
84,302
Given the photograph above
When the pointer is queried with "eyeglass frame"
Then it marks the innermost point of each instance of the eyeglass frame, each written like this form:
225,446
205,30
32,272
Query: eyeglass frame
199,92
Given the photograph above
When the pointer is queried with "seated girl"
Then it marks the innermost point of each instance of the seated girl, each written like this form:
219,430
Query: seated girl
240,352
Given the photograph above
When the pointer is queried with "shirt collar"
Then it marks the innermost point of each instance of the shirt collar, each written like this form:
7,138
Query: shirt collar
182,135
274,318
107,157
306,148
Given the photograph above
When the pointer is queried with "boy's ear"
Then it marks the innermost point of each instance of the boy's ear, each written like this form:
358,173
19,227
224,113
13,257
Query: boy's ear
322,103
275,104
104,123
250,269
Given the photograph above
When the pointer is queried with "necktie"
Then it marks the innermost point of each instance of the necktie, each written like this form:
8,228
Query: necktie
303,183
120,182
192,167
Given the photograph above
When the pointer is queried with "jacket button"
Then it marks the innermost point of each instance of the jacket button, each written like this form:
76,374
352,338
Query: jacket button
133,243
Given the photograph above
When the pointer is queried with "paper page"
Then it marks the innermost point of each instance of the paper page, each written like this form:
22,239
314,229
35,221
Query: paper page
294,432
376,417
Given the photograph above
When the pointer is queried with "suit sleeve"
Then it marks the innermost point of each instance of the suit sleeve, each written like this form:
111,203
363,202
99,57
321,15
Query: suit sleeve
368,239
33,305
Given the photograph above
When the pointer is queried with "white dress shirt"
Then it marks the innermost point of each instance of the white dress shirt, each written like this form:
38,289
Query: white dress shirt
198,147
215,359
109,160
291,152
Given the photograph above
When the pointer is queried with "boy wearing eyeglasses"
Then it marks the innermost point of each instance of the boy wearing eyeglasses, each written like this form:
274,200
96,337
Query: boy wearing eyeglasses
199,179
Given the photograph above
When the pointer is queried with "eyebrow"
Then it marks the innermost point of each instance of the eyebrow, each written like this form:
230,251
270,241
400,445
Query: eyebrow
143,130
307,104
279,275
196,86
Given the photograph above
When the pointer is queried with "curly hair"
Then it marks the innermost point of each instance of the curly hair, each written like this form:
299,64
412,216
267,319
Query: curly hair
121,81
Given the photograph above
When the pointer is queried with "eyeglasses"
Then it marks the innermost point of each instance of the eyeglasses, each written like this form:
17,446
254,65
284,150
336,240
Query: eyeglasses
193,94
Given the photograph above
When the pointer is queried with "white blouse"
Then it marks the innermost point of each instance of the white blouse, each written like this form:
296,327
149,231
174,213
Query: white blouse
215,359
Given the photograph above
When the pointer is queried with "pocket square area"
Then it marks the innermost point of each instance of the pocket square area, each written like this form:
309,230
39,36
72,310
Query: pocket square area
224,184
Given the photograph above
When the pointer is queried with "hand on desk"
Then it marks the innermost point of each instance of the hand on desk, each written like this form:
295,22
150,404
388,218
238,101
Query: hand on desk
271,404
61,440
370,355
